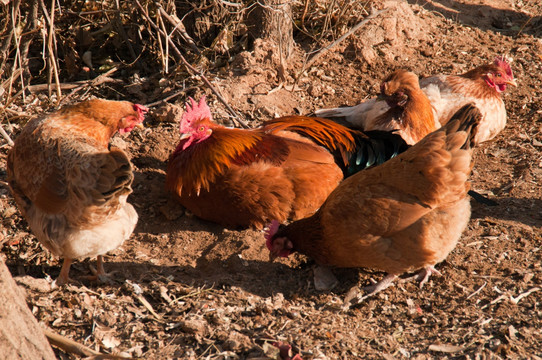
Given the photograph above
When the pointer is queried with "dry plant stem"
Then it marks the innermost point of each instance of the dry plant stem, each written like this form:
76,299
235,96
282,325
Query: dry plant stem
52,60
179,27
15,13
73,347
167,98
68,345
104,78
338,41
165,53
6,136
122,32
191,68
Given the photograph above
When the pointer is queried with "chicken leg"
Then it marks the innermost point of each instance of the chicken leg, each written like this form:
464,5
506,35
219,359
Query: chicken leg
64,276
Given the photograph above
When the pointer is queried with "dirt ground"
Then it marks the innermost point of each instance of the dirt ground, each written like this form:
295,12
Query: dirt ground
190,289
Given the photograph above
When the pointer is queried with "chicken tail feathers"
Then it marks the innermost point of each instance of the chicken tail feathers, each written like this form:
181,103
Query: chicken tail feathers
373,148
465,119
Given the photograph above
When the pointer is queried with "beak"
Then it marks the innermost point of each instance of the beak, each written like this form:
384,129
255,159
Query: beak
272,257
140,126
185,136
512,83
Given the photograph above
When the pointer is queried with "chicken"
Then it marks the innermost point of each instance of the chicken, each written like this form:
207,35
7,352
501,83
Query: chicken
403,215
401,106
282,170
447,94
70,187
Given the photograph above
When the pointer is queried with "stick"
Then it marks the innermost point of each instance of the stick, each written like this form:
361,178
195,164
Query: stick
338,41
73,347
94,82
179,27
191,68
169,97
477,291
68,345
6,136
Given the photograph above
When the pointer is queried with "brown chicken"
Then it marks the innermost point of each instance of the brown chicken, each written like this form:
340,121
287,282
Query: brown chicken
70,186
447,94
403,215
282,170
401,106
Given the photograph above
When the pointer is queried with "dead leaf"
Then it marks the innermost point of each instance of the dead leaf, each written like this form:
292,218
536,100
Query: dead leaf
446,348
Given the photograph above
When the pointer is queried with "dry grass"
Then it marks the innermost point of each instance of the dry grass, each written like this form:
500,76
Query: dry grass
52,54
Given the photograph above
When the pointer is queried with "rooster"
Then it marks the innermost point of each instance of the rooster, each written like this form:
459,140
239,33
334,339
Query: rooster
447,94
70,185
282,170
403,215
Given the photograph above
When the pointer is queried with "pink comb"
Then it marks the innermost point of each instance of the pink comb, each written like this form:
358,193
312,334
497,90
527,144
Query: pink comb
194,111
273,228
501,62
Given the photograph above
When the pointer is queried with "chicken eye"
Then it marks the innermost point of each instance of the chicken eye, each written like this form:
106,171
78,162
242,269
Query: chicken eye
201,128
499,74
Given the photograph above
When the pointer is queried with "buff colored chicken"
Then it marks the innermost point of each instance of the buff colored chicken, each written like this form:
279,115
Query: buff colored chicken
70,185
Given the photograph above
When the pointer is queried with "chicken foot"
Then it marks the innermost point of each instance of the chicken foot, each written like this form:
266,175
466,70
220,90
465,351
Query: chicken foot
424,275
100,275
354,297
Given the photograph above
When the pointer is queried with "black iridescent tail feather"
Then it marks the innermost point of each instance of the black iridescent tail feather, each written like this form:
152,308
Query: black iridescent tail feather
374,149
353,150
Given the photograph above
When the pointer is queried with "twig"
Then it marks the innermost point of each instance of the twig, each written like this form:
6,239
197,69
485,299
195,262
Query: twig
78,85
169,97
149,307
477,291
53,70
191,68
179,27
73,347
101,79
516,300
338,41
6,136
4,183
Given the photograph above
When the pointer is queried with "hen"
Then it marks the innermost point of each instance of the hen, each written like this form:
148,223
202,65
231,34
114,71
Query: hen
401,106
403,215
70,186
447,94
282,170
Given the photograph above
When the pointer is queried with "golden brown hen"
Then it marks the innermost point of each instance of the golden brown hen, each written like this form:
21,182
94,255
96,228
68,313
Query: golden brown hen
401,106
70,186
403,215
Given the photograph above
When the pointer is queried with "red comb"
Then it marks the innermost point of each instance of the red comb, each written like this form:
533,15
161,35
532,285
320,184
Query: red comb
194,111
272,230
501,62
